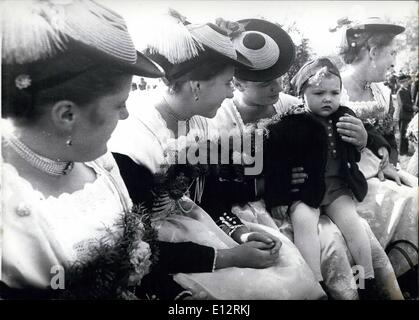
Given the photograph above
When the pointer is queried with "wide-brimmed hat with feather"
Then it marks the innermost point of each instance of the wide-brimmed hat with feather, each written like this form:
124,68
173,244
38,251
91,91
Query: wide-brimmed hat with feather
374,24
45,42
179,46
353,33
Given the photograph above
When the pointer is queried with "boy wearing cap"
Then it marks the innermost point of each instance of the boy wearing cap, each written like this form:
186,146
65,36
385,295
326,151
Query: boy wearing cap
404,99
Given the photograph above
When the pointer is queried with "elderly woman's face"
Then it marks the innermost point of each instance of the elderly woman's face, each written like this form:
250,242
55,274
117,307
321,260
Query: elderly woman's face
213,92
384,60
98,120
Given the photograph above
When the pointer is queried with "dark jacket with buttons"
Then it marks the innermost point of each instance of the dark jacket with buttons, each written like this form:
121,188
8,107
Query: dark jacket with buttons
349,157
301,140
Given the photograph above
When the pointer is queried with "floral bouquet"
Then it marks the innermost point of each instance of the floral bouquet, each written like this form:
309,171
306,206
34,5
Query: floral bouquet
115,265
376,116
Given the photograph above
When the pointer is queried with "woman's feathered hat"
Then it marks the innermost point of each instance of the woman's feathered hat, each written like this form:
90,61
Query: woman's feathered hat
45,42
268,47
375,24
179,46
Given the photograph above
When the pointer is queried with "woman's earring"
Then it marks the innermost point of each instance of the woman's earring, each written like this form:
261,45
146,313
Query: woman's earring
69,142
373,64
196,97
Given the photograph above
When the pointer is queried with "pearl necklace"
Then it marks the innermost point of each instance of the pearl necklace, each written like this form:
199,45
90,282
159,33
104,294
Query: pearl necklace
51,167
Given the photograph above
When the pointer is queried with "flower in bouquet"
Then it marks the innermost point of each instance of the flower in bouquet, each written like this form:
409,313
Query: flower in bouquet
114,264
375,115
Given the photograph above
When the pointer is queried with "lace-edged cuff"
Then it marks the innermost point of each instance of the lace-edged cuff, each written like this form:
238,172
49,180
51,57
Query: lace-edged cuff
215,259
230,233
183,295
229,222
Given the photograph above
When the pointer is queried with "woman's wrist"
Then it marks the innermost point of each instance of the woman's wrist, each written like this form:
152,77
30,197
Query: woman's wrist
214,263
238,232
223,259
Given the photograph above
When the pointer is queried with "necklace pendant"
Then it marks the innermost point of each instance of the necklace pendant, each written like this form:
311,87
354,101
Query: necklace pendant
68,168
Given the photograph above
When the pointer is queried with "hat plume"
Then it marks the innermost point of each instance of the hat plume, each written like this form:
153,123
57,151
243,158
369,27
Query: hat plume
44,27
34,35
170,38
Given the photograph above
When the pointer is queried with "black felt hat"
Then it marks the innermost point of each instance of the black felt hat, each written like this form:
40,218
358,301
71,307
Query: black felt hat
267,46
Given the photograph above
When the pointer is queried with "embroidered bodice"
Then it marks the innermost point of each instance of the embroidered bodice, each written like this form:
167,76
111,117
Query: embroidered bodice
377,112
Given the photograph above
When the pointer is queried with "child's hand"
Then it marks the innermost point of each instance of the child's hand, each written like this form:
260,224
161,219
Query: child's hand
352,131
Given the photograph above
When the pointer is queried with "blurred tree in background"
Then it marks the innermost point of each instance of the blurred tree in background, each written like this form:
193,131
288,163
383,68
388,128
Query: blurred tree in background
407,45
303,53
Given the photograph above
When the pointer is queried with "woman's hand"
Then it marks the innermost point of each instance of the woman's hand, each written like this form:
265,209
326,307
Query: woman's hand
247,255
386,169
266,240
298,176
253,254
385,158
269,242
389,171
261,250
352,131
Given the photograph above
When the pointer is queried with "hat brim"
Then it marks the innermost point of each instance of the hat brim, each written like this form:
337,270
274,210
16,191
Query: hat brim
146,67
286,49
143,66
239,61
377,27
177,71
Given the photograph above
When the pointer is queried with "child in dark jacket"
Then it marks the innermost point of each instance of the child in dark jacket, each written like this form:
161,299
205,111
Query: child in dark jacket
334,179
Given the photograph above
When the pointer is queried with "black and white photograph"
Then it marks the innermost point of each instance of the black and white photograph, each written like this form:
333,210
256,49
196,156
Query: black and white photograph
209,150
